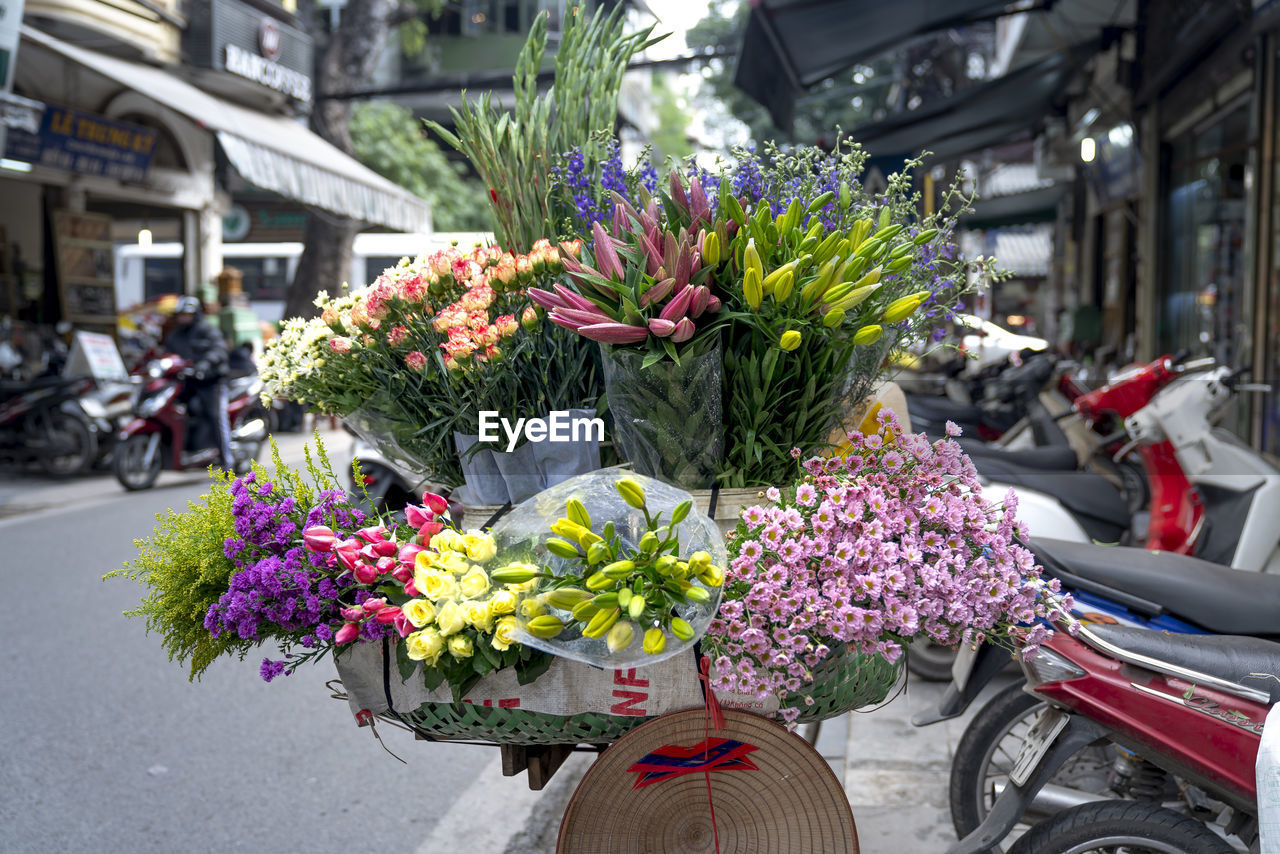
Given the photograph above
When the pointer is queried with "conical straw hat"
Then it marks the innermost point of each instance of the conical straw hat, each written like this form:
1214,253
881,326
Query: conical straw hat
779,798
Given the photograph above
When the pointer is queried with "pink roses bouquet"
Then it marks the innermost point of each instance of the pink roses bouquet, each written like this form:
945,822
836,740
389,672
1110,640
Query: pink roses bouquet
871,550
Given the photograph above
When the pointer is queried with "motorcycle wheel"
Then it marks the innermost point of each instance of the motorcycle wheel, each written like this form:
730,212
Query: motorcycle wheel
1134,827
129,462
986,754
72,436
930,661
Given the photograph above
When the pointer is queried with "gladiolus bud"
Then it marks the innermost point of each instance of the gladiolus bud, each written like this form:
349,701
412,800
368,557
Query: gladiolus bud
789,340
654,641
319,539
346,634
437,504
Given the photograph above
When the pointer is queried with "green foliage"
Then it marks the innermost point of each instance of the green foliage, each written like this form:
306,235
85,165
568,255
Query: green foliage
390,141
512,151
185,570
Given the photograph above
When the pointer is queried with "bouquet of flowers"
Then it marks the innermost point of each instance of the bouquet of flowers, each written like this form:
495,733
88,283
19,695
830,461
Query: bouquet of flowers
800,280
415,356
871,550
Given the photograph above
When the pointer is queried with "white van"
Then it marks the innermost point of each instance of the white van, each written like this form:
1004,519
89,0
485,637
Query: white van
143,273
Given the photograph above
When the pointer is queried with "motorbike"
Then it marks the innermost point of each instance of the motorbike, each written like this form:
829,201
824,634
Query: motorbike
158,438
1111,586
1169,724
43,420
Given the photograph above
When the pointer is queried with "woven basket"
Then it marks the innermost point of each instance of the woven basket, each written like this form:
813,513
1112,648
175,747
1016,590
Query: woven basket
843,682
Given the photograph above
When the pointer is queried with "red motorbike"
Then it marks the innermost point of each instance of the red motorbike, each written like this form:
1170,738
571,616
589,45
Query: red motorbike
158,437
1170,724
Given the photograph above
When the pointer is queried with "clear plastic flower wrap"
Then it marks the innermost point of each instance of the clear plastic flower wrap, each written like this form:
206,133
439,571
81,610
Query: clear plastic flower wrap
621,569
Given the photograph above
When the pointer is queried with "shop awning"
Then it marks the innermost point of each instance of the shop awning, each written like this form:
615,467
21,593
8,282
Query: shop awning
976,118
789,45
1032,206
271,152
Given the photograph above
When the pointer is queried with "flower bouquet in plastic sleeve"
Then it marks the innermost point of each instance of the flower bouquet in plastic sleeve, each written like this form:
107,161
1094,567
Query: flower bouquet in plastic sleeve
627,571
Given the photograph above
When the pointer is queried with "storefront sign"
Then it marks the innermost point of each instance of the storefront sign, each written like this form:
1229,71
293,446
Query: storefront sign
235,37
271,74
81,142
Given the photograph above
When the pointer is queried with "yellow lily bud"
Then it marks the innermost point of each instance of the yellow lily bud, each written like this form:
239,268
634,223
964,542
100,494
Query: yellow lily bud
599,582
601,623
513,574
699,595
790,340
620,636
636,607
833,318
624,598
578,512
752,291
867,334
711,249
585,610
712,576
562,548
566,597
654,641
545,626
901,309
619,569
681,511
631,492
649,541
785,286
681,629
751,259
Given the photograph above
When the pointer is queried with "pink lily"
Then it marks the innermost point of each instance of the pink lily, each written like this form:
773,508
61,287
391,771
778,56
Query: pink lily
684,267
701,296
679,305
614,333
677,191
319,538
545,299
700,210
575,325
657,292
713,304
583,316
684,331
606,255
346,634
653,255
571,300
661,328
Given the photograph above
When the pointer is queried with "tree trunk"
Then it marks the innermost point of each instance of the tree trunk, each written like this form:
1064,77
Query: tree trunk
347,64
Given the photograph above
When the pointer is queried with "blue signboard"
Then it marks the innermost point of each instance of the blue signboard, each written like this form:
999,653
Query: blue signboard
85,143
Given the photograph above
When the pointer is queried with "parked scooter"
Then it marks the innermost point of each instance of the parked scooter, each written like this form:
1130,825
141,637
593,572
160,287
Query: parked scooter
158,436
1178,720
42,420
1111,586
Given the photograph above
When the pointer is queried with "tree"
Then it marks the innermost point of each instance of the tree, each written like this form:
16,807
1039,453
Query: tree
391,142
670,138
346,65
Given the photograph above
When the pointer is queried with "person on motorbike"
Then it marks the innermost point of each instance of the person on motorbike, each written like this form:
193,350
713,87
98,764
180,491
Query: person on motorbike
201,344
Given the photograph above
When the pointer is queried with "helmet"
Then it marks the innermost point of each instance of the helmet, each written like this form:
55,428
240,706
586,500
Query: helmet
187,305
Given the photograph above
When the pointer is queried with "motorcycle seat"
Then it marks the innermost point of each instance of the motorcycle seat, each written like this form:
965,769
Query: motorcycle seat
942,409
1051,458
1211,596
1094,501
1228,657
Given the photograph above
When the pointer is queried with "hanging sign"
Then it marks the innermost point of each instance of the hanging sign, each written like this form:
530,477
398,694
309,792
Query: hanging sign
88,144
